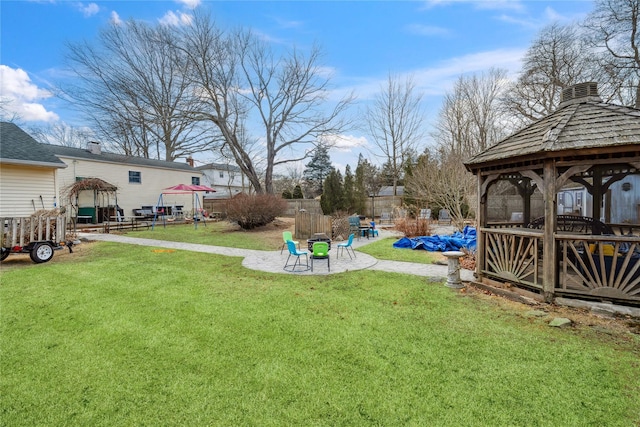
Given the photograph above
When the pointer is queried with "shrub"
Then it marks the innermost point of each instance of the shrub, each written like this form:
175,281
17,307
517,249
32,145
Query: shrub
255,210
413,227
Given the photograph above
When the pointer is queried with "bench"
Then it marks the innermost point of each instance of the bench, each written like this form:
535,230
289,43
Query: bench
84,219
143,213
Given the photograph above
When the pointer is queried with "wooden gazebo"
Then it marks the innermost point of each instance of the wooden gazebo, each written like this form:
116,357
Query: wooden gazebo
559,203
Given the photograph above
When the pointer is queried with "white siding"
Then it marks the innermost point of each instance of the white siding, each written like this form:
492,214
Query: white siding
24,190
130,196
230,181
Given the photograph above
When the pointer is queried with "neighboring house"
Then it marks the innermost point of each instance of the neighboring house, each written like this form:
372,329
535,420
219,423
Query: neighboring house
27,173
139,181
226,179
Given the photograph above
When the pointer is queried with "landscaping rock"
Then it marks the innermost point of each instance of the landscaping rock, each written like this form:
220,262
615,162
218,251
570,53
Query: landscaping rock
535,313
560,322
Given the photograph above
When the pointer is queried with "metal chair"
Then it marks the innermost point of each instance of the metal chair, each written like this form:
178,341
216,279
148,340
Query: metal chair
286,235
293,251
347,245
321,251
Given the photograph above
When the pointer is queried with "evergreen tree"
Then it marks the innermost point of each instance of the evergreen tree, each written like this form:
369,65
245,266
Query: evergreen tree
286,194
332,199
359,190
318,168
297,193
349,190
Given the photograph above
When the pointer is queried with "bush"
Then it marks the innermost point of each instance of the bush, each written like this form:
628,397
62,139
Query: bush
255,210
413,227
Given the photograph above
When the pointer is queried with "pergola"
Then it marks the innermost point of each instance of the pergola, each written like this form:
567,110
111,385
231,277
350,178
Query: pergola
559,203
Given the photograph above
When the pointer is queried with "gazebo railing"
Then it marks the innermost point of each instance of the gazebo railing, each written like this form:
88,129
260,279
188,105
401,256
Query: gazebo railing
513,255
599,266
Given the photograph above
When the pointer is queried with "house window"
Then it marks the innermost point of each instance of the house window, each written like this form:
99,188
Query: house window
135,177
221,174
195,180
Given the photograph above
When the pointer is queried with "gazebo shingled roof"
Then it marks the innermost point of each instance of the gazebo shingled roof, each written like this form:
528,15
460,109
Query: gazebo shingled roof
579,124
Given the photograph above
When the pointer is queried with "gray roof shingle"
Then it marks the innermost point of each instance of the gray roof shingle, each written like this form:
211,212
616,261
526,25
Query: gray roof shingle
80,153
18,147
578,126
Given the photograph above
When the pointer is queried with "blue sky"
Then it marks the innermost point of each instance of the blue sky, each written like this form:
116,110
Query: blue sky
433,41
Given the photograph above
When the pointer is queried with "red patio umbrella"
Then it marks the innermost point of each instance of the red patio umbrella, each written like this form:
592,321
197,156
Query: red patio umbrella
186,188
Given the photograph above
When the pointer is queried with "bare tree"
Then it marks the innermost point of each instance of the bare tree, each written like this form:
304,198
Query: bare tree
614,35
558,58
440,179
239,77
61,134
133,85
470,119
395,122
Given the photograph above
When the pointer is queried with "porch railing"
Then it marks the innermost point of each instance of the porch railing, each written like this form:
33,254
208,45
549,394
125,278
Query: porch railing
599,266
513,255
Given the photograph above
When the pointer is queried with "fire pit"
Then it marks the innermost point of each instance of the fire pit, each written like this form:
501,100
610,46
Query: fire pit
318,238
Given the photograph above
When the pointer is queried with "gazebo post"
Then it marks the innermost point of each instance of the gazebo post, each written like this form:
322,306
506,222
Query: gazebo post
481,222
549,270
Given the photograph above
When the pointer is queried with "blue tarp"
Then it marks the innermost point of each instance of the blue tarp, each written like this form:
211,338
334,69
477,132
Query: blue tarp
466,239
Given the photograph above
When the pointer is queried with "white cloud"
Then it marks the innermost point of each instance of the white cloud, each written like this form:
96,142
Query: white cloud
437,79
343,143
427,30
191,4
176,19
115,18
20,96
514,5
89,9
521,22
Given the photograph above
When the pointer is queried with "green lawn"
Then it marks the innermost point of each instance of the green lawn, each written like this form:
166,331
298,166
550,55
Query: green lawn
219,234
214,233
123,335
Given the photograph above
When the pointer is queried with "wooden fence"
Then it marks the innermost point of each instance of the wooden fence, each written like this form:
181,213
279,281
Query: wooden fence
308,224
384,204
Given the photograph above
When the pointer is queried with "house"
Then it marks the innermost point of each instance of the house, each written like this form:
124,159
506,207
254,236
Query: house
27,173
228,180
139,181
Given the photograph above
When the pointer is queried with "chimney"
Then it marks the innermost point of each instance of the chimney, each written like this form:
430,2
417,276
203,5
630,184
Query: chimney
190,161
93,147
580,93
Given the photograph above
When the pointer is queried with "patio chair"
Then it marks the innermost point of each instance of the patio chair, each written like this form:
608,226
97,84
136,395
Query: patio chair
286,235
321,251
293,251
354,225
347,245
373,231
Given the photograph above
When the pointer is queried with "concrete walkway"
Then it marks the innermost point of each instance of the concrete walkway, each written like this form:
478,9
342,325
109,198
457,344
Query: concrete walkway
274,261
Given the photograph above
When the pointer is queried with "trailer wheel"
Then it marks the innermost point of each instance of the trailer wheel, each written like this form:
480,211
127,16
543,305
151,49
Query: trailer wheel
5,253
41,252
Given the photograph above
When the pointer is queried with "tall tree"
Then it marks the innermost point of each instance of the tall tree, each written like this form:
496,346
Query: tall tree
318,168
470,119
368,182
615,36
132,85
239,78
395,122
349,190
557,58
60,133
332,199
